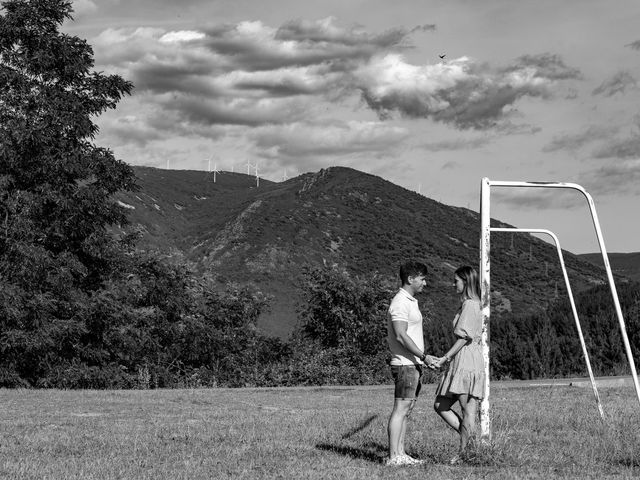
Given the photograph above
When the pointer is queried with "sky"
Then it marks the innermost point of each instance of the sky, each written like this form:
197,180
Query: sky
431,95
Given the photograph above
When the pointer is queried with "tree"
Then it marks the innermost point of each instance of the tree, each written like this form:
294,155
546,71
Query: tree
346,311
56,186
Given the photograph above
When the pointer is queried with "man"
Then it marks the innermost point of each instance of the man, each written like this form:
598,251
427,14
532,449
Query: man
406,343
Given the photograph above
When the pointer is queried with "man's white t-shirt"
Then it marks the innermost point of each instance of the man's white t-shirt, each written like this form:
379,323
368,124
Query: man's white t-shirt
404,308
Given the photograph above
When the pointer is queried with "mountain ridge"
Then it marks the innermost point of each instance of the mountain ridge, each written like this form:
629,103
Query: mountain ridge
268,235
625,264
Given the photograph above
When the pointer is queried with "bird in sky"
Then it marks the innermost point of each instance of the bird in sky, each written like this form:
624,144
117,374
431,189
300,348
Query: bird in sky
442,56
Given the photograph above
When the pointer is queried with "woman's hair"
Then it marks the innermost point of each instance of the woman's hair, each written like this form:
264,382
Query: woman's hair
471,282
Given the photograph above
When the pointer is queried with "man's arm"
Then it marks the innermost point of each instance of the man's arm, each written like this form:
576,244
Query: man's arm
400,331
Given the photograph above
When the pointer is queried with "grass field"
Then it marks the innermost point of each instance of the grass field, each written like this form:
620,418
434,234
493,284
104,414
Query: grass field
307,433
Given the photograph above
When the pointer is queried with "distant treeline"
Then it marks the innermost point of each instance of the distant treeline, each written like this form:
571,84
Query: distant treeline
163,326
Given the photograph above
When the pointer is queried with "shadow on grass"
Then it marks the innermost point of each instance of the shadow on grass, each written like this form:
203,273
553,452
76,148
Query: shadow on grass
629,462
365,423
374,452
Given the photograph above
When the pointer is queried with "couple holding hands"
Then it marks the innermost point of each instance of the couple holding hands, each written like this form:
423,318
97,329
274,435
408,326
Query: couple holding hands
463,378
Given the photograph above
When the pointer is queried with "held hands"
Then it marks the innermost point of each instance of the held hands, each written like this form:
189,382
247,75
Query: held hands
431,361
440,362
435,363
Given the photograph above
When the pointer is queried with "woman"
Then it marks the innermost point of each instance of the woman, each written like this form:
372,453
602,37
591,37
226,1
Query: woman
464,378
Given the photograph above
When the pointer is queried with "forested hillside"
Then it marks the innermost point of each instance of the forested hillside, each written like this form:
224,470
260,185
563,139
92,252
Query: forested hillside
114,277
268,235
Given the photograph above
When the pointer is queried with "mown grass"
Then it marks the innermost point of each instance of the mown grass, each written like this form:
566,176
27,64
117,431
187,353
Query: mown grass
314,433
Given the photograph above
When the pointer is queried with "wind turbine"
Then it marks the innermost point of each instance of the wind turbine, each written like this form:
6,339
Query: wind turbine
257,176
249,166
215,170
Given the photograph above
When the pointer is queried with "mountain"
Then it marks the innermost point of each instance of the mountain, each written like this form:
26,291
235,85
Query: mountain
625,264
267,234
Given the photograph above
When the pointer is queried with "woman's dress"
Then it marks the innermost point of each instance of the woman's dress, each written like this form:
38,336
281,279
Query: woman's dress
465,373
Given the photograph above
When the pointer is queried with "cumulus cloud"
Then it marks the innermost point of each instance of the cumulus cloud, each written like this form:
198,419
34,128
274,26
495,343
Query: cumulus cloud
315,141
544,66
461,92
286,88
619,83
256,46
213,71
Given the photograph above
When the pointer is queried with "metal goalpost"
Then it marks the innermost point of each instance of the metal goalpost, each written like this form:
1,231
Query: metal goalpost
485,286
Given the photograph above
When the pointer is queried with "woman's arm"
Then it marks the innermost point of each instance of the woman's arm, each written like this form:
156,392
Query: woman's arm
460,342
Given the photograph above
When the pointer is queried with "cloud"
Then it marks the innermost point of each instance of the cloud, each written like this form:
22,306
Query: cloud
545,66
591,134
619,146
82,8
460,92
634,45
327,32
622,176
130,129
626,148
458,144
236,111
310,144
253,45
247,73
451,165
619,83
287,88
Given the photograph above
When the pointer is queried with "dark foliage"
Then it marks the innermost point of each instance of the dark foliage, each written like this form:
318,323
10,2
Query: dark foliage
547,344
82,307
79,307
55,189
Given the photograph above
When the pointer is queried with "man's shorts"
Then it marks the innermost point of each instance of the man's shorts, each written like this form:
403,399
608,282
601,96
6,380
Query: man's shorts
407,379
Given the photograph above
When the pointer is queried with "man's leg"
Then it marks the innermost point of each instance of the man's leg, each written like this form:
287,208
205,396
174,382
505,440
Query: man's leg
397,425
404,427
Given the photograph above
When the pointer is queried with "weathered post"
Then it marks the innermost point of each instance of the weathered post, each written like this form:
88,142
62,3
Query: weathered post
485,293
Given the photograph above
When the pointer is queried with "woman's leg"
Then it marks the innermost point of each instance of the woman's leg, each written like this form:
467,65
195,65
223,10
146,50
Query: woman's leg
469,412
442,406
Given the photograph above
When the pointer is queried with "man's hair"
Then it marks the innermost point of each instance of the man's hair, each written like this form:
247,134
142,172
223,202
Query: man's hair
412,269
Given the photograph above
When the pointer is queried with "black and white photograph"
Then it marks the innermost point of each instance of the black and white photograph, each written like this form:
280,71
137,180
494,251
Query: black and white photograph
353,239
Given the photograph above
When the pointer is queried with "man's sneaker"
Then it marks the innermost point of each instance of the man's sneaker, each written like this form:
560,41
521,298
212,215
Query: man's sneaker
411,460
402,461
394,461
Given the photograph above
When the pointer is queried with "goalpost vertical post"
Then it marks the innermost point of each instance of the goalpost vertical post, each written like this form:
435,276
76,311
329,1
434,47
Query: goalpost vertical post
485,293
